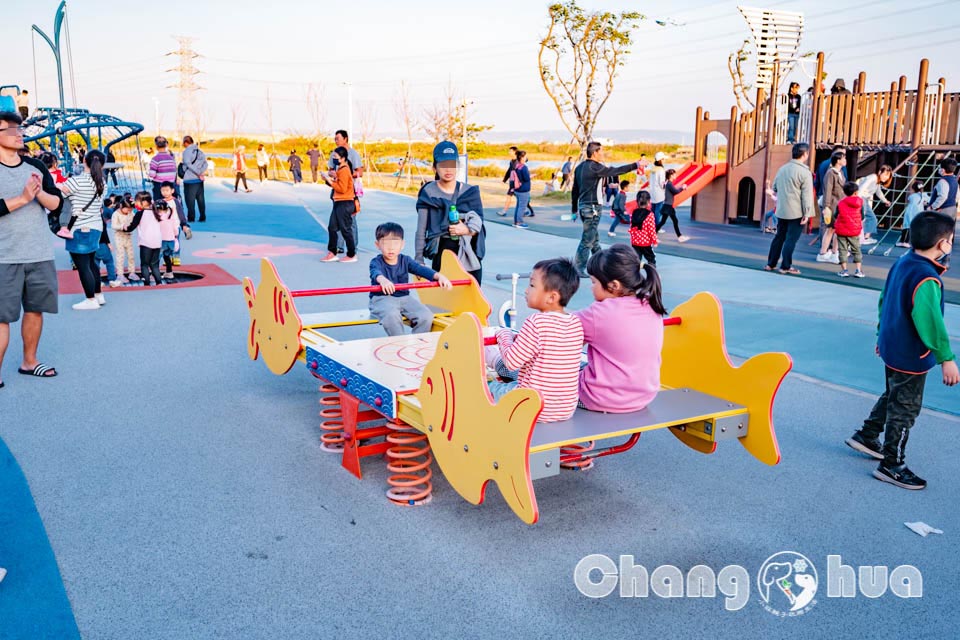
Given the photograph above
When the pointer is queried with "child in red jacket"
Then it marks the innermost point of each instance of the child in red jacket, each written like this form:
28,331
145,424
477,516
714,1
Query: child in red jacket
643,229
848,224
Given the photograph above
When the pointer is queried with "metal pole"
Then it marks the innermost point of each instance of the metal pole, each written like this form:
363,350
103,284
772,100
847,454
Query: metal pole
349,107
771,133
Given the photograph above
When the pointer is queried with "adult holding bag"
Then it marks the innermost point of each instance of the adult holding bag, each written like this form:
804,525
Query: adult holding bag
450,216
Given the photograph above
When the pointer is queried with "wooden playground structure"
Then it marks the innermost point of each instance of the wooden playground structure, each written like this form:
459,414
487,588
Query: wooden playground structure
910,129
427,394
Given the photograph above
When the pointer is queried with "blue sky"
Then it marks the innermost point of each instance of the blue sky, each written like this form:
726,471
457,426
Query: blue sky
487,51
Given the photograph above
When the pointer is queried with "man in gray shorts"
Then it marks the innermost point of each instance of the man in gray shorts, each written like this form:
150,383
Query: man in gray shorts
28,277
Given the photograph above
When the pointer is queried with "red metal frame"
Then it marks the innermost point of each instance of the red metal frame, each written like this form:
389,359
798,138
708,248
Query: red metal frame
353,437
303,293
599,453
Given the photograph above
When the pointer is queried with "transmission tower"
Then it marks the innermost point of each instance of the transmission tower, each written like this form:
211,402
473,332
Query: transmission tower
188,108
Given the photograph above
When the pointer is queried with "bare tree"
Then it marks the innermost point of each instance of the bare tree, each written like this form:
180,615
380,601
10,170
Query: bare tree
741,88
316,107
367,112
406,117
579,59
237,118
439,118
444,120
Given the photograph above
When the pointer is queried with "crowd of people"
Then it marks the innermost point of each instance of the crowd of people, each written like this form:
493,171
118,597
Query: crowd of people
622,369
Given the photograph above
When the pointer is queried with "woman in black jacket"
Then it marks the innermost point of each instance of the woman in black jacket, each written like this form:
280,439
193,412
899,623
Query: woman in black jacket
436,231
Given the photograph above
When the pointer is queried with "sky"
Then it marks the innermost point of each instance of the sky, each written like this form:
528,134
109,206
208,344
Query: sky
485,51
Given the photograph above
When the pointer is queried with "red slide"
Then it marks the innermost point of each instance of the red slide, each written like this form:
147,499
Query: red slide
695,176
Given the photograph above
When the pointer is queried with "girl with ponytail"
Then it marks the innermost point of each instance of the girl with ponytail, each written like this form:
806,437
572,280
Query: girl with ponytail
85,194
623,331
89,183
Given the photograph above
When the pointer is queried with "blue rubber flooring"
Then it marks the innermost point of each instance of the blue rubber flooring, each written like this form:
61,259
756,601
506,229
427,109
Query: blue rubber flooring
33,603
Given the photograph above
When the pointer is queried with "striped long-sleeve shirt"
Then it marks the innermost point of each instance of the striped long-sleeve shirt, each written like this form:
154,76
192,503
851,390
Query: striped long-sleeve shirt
163,168
546,352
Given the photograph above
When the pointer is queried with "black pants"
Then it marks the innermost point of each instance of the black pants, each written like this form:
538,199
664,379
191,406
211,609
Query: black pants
895,412
449,244
241,175
88,272
667,211
149,264
784,242
193,194
262,170
646,253
341,221
112,175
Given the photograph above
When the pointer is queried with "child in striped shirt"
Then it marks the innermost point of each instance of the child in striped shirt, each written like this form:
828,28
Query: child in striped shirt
546,351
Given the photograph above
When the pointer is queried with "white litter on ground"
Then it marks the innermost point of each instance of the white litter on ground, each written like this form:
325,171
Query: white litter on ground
921,528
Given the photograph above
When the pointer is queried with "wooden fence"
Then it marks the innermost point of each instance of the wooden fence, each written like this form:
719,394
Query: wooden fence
876,119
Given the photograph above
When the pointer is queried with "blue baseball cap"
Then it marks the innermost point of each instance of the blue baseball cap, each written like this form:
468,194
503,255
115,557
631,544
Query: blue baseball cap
446,151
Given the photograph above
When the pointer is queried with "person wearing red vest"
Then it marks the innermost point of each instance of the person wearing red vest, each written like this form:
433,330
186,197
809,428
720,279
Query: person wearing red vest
847,224
240,167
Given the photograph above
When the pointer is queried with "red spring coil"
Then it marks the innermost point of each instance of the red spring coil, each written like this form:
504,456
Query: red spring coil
573,449
331,440
409,461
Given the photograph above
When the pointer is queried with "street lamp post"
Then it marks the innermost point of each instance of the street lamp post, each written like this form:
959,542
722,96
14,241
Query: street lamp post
349,86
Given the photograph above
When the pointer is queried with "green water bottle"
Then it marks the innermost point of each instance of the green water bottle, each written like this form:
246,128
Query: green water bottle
454,218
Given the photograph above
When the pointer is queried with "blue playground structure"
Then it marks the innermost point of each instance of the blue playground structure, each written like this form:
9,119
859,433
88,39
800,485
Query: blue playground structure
60,130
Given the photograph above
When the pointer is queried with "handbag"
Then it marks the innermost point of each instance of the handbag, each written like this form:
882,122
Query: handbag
182,168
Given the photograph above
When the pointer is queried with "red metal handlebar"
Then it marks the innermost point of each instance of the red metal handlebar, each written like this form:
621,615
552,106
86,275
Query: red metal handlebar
373,288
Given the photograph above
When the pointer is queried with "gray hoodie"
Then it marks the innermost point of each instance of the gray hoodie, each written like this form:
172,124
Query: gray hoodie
194,163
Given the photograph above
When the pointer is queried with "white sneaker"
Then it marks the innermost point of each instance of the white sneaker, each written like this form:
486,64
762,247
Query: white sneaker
611,234
829,256
682,239
904,245
867,242
101,299
87,304
167,276
116,283
664,230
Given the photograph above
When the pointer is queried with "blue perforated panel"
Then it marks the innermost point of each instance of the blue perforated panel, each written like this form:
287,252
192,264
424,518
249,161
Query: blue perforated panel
359,386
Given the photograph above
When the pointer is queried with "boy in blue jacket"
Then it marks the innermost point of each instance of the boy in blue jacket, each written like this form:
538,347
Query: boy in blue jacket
391,305
912,339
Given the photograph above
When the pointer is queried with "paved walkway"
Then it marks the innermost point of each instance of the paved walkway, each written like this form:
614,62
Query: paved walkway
185,495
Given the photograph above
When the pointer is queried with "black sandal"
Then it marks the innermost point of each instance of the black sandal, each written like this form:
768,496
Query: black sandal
39,371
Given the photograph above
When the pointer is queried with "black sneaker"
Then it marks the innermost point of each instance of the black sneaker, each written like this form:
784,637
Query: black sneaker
899,476
872,448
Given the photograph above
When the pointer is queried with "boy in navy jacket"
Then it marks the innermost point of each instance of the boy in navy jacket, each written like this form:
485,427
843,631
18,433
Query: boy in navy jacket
912,339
